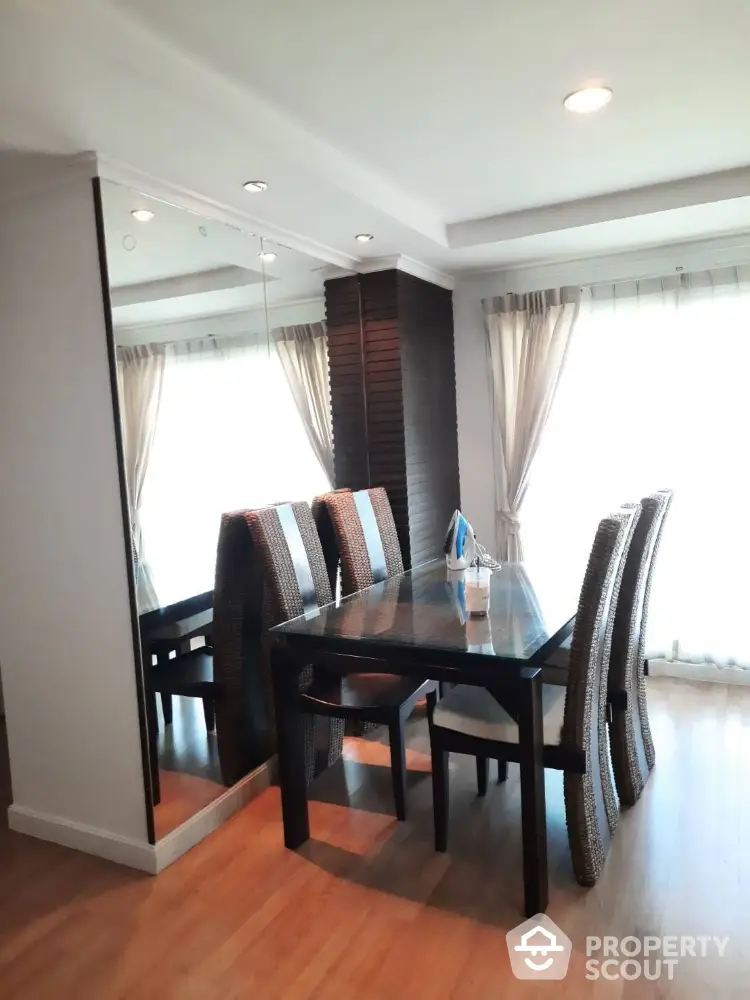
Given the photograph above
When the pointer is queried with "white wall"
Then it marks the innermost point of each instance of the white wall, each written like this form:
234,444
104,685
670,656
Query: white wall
65,632
472,384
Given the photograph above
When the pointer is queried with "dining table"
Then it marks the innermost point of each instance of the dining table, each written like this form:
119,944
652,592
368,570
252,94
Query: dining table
416,624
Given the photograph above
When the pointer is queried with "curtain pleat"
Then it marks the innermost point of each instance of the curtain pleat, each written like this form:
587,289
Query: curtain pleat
303,351
140,377
527,342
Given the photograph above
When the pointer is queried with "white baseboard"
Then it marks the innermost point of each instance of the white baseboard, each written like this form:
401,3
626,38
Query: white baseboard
198,827
708,672
88,839
150,858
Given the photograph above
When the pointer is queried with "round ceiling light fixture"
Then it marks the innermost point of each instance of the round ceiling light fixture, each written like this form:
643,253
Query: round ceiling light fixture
254,187
142,214
587,100
267,255
364,237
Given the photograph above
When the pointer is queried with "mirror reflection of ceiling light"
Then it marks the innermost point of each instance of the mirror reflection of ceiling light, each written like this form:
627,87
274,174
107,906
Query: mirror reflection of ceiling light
364,237
267,256
583,102
142,214
254,187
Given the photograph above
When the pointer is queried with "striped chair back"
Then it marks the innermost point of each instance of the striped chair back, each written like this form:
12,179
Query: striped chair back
630,734
590,800
366,535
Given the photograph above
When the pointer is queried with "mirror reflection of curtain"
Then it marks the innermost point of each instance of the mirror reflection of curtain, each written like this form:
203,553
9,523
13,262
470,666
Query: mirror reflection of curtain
303,351
140,378
228,437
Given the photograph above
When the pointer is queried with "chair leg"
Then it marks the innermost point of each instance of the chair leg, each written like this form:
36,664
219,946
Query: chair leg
482,773
432,700
398,766
166,708
440,795
502,771
209,714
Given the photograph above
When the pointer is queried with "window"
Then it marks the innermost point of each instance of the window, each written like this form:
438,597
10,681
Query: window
228,437
654,395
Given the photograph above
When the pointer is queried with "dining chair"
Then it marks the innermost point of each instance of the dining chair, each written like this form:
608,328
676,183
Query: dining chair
244,704
630,740
366,535
321,512
472,720
298,583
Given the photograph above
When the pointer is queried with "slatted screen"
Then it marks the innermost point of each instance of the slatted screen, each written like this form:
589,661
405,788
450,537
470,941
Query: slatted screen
393,398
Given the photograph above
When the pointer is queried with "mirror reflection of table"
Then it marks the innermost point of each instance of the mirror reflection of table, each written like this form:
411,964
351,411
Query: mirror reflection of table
164,630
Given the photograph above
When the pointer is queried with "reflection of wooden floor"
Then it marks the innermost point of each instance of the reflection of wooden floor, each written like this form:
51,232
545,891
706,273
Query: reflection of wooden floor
182,796
368,910
189,769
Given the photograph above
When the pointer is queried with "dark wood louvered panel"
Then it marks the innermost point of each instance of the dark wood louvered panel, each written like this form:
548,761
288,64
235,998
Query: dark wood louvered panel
431,434
343,317
393,399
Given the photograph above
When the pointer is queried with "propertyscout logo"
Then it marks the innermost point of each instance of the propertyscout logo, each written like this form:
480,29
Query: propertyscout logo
538,949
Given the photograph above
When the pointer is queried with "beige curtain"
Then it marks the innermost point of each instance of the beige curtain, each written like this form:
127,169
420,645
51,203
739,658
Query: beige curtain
527,341
303,351
140,377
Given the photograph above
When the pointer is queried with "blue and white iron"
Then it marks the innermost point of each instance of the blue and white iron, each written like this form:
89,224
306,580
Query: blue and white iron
461,547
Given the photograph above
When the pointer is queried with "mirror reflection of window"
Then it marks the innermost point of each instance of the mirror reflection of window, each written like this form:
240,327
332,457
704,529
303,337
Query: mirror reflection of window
222,377
228,436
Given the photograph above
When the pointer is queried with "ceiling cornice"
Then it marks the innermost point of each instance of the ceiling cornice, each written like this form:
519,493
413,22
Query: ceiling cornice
208,208
646,262
216,279
725,185
224,324
400,262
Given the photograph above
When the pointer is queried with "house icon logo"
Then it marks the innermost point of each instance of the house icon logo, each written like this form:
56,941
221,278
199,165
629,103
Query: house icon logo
538,949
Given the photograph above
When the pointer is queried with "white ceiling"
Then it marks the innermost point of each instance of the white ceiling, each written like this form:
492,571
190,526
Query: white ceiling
403,119
179,266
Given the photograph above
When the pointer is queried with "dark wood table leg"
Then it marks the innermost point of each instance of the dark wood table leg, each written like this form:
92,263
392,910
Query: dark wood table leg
153,744
290,748
533,805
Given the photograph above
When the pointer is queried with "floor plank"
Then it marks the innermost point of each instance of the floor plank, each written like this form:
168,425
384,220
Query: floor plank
367,909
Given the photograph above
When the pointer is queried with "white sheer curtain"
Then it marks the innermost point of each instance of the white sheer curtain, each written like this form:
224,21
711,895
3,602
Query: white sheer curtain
303,351
140,378
527,341
228,437
654,395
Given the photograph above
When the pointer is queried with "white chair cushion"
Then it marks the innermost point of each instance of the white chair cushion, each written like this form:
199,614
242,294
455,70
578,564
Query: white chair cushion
475,712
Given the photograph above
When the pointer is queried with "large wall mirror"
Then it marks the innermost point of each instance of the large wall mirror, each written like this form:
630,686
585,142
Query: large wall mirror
207,319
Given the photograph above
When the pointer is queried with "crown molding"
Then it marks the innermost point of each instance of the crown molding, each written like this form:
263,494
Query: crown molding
228,323
207,208
400,262
646,262
725,185
217,279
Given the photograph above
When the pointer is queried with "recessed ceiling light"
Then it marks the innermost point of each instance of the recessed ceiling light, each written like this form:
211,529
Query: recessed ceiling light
583,102
255,186
364,237
142,214
267,255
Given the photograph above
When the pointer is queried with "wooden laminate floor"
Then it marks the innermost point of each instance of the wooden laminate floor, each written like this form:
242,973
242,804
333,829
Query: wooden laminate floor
367,910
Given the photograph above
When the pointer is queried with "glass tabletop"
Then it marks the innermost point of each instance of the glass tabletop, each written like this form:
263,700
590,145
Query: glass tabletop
426,608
